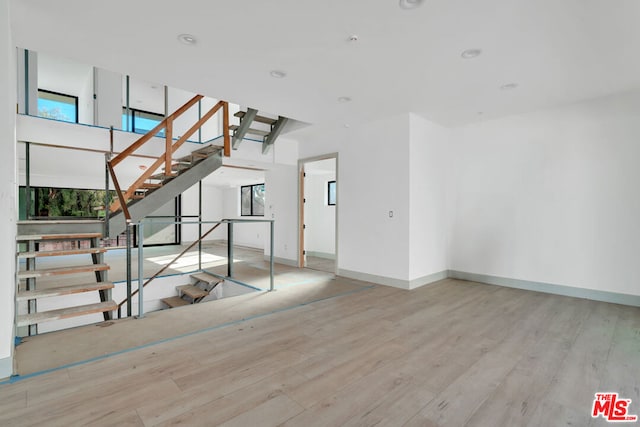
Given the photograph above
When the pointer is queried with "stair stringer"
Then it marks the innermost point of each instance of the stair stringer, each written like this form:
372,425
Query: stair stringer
169,190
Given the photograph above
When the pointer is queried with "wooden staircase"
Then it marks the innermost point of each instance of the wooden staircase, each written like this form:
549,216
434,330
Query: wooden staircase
158,189
32,247
268,129
193,293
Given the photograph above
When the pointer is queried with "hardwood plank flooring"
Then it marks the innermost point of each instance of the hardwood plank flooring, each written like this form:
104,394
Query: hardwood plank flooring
451,354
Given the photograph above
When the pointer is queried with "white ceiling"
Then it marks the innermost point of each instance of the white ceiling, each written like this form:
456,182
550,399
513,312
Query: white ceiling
405,60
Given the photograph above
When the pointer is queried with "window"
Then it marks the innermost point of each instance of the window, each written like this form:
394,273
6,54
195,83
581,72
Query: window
331,193
141,121
252,200
57,106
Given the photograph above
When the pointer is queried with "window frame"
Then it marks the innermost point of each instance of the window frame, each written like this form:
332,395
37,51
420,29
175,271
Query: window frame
251,186
132,114
329,193
75,99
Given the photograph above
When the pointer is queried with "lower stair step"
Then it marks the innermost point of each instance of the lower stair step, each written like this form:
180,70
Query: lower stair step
192,291
65,313
62,270
206,278
174,302
63,290
40,254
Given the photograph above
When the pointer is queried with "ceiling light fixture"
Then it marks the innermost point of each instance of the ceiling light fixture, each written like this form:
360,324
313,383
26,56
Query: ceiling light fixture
353,38
509,86
278,74
471,53
410,4
187,39
344,99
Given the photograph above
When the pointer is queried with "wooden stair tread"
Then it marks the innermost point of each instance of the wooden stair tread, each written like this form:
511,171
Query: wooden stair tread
39,254
62,270
69,236
64,313
58,221
150,186
252,131
63,290
174,302
162,177
260,119
205,277
192,291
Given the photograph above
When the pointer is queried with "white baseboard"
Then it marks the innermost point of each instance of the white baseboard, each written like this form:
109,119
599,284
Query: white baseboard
324,255
390,281
285,261
549,288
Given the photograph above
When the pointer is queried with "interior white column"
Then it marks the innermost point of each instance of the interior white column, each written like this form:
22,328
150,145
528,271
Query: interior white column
8,190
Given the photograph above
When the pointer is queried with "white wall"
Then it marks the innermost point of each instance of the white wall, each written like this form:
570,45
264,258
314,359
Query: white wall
373,179
8,191
281,205
319,216
250,235
108,103
552,196
212,210
429,155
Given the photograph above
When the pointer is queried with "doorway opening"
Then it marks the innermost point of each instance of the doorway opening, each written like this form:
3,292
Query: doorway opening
318,206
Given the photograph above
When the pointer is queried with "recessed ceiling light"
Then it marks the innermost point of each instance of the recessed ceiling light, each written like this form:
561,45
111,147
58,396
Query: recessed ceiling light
471,53
187,39
344,99
278,74
410,4
509,86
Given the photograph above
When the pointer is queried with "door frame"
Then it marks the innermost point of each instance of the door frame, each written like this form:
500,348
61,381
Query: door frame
301,164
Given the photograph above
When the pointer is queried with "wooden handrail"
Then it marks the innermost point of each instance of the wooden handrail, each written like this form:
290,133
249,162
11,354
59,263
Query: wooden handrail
137,144
159,272
152,169
170,148
123,202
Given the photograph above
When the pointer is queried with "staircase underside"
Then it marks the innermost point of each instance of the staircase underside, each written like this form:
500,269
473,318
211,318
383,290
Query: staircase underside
160,196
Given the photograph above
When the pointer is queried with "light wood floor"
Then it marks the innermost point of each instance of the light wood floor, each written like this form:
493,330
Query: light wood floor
454,353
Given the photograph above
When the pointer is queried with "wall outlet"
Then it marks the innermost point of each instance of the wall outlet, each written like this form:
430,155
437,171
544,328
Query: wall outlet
390,214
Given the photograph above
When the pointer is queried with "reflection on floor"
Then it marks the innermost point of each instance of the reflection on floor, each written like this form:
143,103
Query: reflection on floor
321,264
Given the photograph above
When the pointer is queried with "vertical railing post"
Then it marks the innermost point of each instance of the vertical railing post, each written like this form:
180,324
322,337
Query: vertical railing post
200,225
168,149
140,270
27,186
271,255
106,201
230,249
225,129
129,225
